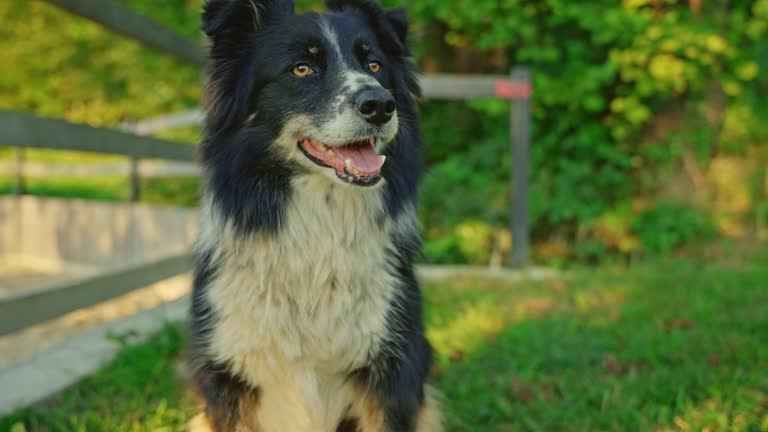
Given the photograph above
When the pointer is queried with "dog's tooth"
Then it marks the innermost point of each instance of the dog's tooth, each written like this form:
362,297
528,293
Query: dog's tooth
348,164
320,146
329,152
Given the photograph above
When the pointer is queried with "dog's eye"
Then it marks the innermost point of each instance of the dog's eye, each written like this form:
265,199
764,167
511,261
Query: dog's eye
374,66
302,70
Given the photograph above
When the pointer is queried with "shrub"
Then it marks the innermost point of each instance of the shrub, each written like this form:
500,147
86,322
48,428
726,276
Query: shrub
667,226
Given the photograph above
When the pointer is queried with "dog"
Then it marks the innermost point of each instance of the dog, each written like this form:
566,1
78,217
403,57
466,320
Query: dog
306,312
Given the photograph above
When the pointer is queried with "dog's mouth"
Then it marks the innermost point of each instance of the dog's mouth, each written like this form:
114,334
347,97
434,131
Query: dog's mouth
356,163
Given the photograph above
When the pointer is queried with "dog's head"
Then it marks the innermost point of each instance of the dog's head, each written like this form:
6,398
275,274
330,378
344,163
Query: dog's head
329,88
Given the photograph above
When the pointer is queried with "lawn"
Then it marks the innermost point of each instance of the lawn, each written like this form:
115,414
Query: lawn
678,345
176,191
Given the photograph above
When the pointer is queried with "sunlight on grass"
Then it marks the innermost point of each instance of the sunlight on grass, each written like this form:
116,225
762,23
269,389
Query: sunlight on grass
97,188
468,332
174,191
480,321
60,156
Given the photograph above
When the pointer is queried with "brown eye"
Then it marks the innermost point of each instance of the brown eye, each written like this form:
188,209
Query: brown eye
302,70
374,66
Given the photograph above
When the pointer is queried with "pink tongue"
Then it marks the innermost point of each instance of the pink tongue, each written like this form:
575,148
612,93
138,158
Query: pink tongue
363,157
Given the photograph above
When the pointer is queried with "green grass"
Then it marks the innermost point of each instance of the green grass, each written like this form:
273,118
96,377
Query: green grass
672,346
177,191
8,154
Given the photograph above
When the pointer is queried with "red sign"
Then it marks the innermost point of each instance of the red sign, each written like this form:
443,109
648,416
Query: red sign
509,89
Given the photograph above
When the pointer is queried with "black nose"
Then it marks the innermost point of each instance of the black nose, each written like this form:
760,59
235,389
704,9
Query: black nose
376,106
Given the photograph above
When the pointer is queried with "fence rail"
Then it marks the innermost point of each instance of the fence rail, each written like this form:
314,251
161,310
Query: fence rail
27,308
123,20
29,131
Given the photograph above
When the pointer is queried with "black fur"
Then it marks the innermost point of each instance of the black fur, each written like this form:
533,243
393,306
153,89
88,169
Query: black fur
248,182
400,383
249,97
223,393
347,426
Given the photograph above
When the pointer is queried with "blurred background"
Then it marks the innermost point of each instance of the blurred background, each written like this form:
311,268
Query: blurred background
646,305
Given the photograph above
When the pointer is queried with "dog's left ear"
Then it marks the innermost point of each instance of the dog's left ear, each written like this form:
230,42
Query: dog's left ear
240,17
398,19
230,25
391,24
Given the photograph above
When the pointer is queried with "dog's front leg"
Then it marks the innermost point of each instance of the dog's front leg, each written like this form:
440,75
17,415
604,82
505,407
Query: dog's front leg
231,405
396,397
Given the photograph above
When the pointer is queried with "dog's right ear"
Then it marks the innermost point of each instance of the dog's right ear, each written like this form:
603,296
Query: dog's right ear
228,24
223,18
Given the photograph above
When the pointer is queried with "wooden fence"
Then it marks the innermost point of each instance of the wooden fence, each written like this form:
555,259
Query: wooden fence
23,131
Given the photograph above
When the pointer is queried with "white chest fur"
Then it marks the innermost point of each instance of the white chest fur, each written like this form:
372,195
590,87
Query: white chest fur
295,311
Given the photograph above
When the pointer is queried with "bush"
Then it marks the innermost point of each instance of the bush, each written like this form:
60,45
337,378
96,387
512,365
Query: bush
467,243
668,226
622,91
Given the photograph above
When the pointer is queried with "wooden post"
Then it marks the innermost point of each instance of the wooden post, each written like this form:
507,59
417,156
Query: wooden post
135,180
520,135
19,191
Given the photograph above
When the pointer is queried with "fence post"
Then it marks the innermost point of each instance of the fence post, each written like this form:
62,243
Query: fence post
135,180
520,135
19,171
135,194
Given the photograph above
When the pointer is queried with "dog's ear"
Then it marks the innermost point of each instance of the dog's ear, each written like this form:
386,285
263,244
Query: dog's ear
240,17
228,24
390,24
398,19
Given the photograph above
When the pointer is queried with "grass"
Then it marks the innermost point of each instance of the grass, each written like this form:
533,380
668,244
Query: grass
177,191
8,154
138,391
671,346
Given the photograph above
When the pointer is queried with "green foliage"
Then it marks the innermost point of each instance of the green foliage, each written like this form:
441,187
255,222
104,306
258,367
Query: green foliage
476,179
469,242
667,226
64,66
649,348
605,73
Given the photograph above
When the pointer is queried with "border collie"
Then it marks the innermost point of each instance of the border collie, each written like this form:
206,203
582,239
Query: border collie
306,311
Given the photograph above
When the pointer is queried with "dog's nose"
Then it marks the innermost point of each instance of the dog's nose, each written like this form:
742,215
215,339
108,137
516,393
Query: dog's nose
376,106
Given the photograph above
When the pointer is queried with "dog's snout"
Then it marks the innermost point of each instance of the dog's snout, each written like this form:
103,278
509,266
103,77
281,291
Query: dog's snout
376,106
